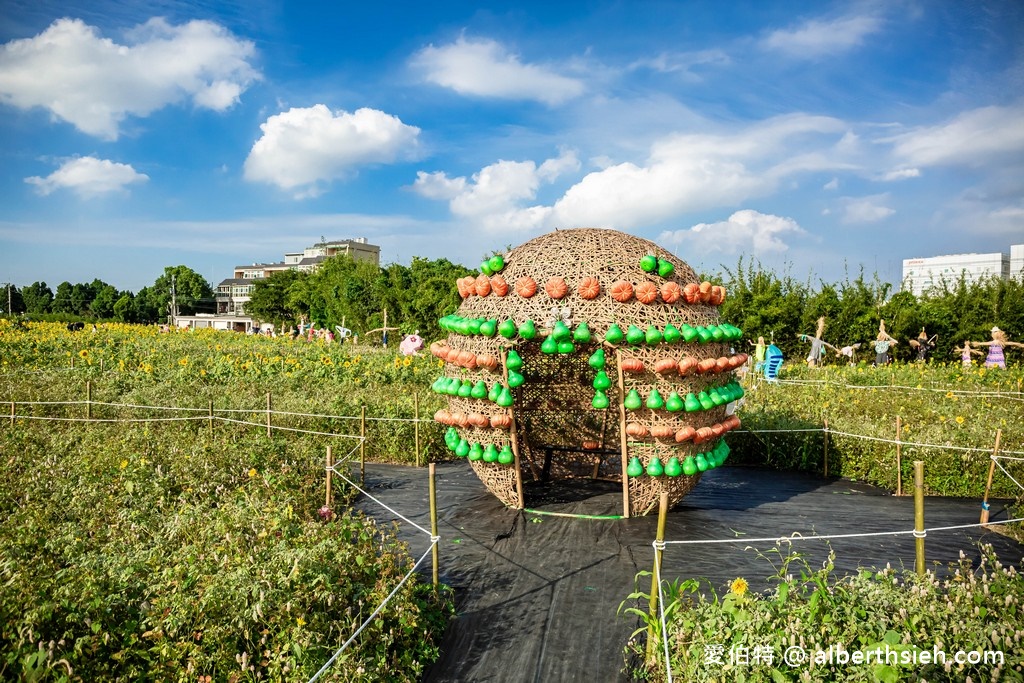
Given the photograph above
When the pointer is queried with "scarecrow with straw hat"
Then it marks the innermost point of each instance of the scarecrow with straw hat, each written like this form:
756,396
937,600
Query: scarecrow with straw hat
923,344
882,344
995,358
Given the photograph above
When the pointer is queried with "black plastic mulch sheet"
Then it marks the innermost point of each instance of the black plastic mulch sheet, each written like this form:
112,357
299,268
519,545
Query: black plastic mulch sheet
537,595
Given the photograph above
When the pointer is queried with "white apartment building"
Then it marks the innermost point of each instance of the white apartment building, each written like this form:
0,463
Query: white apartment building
921,274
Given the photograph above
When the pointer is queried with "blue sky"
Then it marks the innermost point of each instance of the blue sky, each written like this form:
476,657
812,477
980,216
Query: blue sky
815,137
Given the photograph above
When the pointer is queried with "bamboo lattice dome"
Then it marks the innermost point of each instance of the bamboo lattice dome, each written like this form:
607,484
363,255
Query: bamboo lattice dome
551,423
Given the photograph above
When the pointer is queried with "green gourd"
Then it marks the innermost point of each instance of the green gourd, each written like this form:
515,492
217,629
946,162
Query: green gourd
653,335
485,268
513,361
673,468
635,468
740,392
581,334
515,379
716,397
476,452
560,331
462,450
474,325
451,438
506,456
689,333
672,334
717,333
596,359
689,466
505,398
601,380
705,401
600,401
633,400
665,269
566,346
479,390
649,263
691,404
490,453
673,403
436,386
496,263
704,334
466,389
549,345
489,327
507,329
528,330
454,384
495,391
634,335
613,335
655,401
702,463
655,468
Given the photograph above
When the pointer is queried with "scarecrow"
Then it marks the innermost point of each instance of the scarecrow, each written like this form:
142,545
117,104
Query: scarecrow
995,357
817,344
965,353
882,344
923,345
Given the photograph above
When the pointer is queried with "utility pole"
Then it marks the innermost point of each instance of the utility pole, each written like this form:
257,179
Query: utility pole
174,303
9,309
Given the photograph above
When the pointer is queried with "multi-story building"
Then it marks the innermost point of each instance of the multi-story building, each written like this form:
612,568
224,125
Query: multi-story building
921,274
233,293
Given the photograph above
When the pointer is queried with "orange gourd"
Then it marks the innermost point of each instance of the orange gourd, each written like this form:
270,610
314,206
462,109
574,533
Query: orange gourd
670,292
662,431
443,416
705,292
687,365
452,356
461,284
588,288
467,359
717,429
526,287
666,366
691,292
706,365
438,349
646,292
722,364
482,285
590,445
499,286
556,288
717,295
685,434
636,429
632,365
479,420
460,419
486,361
621,291
501,421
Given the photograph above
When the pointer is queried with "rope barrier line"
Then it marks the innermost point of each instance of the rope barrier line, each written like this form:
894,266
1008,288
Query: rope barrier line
797,536
1000,466
101,419
133,405
286,429
373,616
959,392
664,622
378,502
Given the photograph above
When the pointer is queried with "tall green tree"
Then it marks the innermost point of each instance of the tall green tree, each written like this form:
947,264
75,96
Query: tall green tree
125,310
193,294
11,300
38,297
102,305
62,299
273,299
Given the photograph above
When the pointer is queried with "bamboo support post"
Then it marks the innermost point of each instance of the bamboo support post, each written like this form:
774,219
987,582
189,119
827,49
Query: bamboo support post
433,521
623,446
919,517
210,419
416,424
988,485
656,574
362,444
88,399
12,413
329,497
825,447
268,414
899,455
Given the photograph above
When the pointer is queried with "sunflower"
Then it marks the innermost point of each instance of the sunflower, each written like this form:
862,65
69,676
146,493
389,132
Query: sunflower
84,353
738,586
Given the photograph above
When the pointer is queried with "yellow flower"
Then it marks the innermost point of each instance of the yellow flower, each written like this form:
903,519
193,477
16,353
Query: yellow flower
959,419
738,586
124,463
949,394
84,353
252,472
183,362
407,362
300,622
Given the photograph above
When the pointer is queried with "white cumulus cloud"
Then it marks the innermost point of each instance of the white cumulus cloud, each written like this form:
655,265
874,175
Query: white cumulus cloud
744,231
303,147
88,177
866,209
973,138
817,37
484,68
902,174
94,83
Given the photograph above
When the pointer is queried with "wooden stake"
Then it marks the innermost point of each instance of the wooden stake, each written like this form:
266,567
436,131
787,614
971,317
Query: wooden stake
88,399
416,424
513,436
988,485
210,419
329,498
662,518
825,445
12,413
899,457
268,414
622,436
919,516
362,444
433,518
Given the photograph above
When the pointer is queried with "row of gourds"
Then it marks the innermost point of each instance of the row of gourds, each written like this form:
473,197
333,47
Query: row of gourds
689,466
561,332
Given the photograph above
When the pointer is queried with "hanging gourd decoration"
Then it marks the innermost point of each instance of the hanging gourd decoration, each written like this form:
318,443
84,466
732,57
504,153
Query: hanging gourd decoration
588,288
485,268
451,438
633,400
621,291
560,332
685,434
507,329
581,333
515,379
655,468
691,292
716,398
473,325
705,401
635,468
666,366
672,334
490,453
689,332
702,463
689,466
526,287
646,292
649,263
496,263
476,452
670,292
483,285
601,380
665,268
489,327
673,403
452,387
673,468
566,346
636,430
631,365
465,389
655,401
600,401
479,390
462,450
596,360
513,361
705,292
549,345
505,455
486,361
556,288
703,334
495,391
716,333
691,403
461,284
505,398
528,330
634,335
499,285
717,296
662,431
653,335
501,421
613,335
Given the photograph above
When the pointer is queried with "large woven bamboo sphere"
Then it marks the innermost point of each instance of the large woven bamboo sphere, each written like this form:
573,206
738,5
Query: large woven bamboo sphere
531,397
